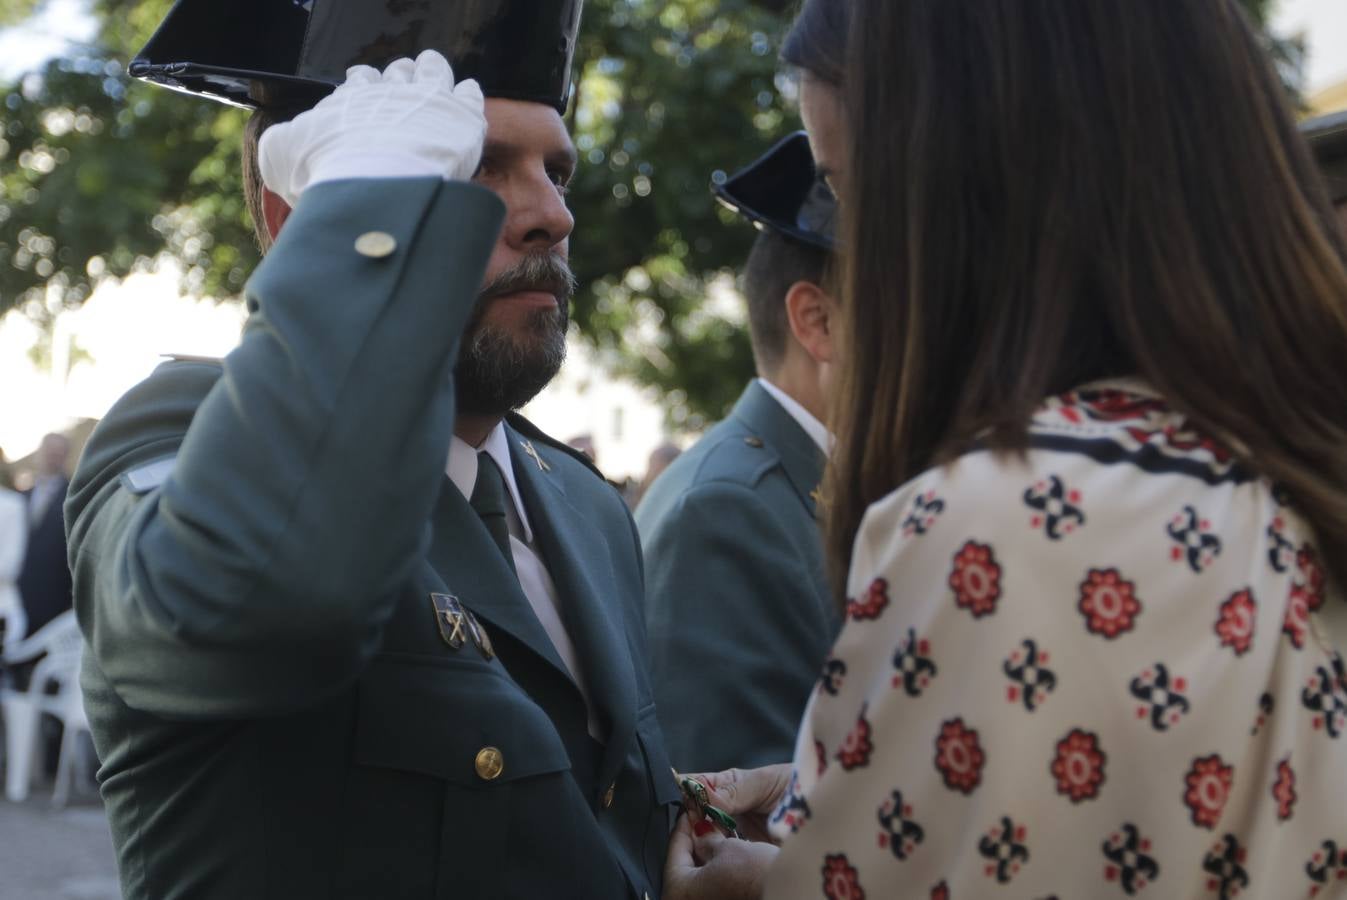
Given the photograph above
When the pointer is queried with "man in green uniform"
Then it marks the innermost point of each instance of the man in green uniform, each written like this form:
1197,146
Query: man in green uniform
354,628
737,605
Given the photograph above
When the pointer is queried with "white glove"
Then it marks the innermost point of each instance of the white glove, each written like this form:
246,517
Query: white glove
410,120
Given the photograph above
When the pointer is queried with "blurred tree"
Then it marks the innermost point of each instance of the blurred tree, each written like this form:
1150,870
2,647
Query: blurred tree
100,174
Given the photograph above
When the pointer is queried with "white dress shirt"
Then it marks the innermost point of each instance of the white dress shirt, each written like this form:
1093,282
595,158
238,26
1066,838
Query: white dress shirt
816,430
534,578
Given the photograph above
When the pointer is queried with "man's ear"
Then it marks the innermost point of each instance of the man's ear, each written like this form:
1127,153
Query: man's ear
275,211
809,310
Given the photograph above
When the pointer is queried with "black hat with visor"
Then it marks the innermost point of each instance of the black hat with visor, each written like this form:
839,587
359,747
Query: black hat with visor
782,192
289,54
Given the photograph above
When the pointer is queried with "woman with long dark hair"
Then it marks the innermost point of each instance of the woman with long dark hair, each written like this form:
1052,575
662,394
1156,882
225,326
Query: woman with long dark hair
1089,496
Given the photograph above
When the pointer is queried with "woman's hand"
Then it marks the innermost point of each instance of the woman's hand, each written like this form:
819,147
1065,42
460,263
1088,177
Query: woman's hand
714,867
710,866
750,795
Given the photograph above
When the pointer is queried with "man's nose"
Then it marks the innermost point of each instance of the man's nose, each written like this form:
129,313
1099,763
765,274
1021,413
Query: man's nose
538,218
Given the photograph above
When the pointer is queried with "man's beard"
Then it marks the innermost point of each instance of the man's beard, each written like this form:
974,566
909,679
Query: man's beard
499,371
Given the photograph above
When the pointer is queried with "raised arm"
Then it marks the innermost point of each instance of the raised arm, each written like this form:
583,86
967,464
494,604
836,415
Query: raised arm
254,577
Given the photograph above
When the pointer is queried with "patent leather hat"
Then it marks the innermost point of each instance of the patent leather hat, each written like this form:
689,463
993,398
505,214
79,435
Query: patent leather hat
289,54
782,191
1328,138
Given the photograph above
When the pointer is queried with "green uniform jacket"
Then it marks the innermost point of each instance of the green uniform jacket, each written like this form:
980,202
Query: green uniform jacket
255,545
738,611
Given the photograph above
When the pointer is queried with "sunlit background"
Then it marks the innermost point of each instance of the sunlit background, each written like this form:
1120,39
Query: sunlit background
95,353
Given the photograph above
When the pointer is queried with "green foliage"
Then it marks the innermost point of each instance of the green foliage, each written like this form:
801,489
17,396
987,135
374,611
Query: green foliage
99,174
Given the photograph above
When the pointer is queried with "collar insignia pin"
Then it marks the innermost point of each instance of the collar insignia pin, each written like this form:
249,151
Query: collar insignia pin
533,452
451,618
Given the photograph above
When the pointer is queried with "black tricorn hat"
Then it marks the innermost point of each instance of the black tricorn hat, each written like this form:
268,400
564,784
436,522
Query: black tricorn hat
1328,138
782,191
288,54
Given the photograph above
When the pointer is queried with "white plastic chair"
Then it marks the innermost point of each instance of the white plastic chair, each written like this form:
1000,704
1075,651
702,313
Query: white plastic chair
12,613
61,641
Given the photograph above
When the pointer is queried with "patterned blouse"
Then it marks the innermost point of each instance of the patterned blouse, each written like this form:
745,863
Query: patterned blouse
1101,672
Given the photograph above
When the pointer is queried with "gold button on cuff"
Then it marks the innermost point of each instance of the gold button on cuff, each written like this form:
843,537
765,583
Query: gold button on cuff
754,442
376,244
490,763
608,796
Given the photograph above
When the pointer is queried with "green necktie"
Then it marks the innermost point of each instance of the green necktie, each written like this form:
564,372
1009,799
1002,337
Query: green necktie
488,501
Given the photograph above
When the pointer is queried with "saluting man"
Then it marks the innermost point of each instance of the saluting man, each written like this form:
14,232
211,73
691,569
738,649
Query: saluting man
355,628
737,604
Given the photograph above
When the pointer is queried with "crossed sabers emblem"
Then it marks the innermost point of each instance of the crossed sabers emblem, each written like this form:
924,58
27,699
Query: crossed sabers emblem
532,451
458,624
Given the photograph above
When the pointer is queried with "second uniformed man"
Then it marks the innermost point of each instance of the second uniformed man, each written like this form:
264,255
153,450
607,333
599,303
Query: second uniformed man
355,630
737,605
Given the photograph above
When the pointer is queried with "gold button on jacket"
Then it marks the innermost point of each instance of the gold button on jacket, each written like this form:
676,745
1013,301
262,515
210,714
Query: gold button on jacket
490,763
376,244
608,796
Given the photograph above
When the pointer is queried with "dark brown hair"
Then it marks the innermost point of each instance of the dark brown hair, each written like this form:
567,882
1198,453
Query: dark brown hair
1047,193
817,41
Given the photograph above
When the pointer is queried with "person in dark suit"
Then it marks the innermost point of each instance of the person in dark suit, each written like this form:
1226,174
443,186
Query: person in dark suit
44,581
355,628
737,606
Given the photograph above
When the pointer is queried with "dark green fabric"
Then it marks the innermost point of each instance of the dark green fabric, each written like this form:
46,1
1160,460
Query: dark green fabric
275,708
737,606
488,500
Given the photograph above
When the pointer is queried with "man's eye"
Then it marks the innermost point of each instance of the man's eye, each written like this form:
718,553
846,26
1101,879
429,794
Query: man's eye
562,182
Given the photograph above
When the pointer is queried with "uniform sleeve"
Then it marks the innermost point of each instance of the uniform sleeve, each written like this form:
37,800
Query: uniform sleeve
735,635
256,579
1045,685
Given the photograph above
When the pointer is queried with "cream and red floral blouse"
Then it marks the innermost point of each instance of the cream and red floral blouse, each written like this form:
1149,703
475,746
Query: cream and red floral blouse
1103,671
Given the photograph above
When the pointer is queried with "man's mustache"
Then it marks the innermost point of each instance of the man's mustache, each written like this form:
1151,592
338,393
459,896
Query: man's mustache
545,273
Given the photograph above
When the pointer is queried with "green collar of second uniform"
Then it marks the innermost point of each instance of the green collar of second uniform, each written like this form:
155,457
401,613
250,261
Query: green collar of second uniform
769,421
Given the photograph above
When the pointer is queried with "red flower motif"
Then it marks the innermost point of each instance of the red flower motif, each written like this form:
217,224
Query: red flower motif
1284,789
1111,405
1109,603
1208,783
1079,766
841,881
1236,622
875,601
940,892
959,756
1296,623
856,749
976,579
1310,576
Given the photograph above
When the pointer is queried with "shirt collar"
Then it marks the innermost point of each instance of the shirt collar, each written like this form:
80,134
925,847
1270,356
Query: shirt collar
812,426
462,469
